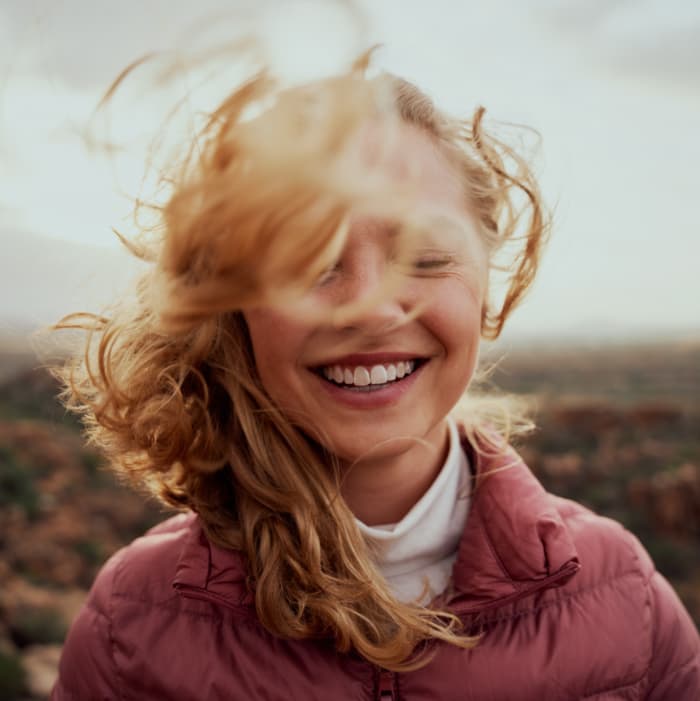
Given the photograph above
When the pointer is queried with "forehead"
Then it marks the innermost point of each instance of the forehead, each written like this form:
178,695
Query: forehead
410,156
437,206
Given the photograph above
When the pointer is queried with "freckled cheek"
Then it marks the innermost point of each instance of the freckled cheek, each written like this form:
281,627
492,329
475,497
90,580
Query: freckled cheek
278,344
457,324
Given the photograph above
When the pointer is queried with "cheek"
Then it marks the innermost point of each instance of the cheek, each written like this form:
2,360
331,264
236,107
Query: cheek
458,326
276,342
459,303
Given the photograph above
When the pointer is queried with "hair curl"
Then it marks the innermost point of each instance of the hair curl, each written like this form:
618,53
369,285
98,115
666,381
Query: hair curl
167,385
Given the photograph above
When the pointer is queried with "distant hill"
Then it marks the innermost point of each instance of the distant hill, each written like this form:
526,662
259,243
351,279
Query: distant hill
42,279
15,352
619,373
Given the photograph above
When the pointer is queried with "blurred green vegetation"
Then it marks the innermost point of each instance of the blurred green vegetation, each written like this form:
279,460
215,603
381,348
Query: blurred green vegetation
90,551
38,626
17,484
13,682
32,394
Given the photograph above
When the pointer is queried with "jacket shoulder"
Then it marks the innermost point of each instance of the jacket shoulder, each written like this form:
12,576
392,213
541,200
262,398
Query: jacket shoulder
143,569
606,549
175,524
615,566
146,567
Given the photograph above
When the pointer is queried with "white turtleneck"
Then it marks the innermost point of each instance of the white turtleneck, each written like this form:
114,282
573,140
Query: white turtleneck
421,548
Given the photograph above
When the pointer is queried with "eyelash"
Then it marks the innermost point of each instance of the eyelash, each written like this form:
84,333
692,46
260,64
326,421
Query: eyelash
420,265
431,263
327,275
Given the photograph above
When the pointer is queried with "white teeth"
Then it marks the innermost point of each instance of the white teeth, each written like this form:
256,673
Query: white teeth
378,375
361,377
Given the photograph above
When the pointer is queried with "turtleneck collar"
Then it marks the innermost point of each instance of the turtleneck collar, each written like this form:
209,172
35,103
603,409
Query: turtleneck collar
416,554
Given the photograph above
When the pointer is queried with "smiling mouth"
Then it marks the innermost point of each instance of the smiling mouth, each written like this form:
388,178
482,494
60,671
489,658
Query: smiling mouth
368,378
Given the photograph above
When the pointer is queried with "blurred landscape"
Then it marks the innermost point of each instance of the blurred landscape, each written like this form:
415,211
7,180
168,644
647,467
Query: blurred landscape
618,430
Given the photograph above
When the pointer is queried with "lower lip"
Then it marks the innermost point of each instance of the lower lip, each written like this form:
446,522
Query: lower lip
371,399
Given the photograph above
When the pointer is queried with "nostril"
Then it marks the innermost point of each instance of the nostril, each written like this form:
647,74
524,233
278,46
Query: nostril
374,316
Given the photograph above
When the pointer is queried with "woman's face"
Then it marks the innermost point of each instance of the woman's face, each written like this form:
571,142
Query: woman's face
370,384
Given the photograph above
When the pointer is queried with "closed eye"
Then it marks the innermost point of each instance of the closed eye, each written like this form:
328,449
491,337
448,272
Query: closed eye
327,275
431,263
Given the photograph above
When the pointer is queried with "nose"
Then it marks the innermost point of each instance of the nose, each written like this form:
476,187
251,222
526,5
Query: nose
369,297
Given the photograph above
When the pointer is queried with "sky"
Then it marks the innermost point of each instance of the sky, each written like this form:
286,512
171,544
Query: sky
612,87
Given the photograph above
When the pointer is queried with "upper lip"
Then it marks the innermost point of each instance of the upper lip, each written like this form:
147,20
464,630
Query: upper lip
369,359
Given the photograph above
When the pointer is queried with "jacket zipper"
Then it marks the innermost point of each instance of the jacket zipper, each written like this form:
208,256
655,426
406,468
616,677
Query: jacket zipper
386,686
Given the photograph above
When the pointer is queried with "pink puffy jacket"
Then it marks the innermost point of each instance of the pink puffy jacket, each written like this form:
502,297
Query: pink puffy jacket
569,604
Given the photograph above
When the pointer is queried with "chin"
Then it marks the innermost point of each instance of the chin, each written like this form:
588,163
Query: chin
375,446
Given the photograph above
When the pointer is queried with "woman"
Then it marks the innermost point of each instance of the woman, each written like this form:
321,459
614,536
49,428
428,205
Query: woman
292,375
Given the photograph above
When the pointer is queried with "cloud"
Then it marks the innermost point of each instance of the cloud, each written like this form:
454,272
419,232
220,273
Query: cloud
657,39
86,43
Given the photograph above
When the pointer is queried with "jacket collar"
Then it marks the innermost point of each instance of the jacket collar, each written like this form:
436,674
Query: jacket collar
514,541
206,568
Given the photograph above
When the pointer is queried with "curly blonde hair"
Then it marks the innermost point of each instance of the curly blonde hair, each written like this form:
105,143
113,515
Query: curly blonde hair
167,385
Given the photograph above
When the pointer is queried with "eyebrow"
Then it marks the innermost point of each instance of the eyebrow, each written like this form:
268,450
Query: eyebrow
390,228
456,230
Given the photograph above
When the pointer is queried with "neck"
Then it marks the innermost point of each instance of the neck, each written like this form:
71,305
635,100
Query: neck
383,489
